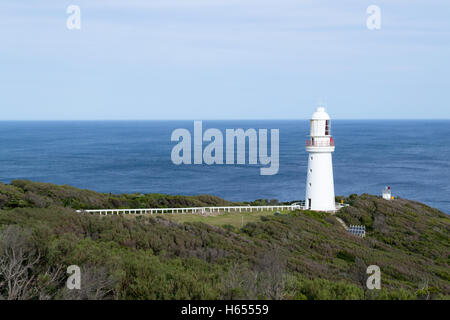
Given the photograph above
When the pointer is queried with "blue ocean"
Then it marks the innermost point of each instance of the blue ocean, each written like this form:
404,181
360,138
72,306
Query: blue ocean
413,157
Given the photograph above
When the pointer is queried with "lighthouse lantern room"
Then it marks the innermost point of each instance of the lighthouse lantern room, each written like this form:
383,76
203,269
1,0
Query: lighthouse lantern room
320,181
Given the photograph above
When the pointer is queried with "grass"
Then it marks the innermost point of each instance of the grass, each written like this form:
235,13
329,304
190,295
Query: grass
236,219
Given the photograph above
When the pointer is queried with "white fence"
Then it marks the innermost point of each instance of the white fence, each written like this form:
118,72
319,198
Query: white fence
195,210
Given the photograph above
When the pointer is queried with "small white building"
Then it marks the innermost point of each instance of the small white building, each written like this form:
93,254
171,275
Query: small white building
387,194
320,180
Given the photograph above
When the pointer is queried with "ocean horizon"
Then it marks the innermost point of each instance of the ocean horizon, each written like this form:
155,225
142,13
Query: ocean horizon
134,156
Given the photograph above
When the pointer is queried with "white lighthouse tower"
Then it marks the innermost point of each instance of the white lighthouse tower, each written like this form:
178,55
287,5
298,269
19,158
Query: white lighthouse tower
320,182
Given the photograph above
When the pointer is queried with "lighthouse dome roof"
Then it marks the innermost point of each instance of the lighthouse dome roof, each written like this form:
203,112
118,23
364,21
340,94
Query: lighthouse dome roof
320,114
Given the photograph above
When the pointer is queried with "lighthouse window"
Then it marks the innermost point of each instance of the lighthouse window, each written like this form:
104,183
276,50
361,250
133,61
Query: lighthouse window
327,127
311,158
310,170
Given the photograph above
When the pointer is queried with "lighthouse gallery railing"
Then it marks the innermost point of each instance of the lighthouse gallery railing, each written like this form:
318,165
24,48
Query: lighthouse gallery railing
310,143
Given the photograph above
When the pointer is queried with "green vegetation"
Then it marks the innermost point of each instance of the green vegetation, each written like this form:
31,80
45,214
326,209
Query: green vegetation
26,194
296,255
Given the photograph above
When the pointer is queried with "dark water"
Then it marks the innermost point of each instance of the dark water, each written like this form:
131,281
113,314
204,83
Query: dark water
413,157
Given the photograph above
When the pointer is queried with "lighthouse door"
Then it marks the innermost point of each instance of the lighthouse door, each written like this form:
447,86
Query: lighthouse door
309,203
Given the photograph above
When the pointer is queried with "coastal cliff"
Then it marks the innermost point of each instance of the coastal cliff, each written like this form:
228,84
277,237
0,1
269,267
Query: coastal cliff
296,255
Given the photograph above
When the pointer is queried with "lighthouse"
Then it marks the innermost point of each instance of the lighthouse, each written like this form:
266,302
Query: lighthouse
319,181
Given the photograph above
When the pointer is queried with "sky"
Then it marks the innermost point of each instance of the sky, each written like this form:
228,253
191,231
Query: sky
224,59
